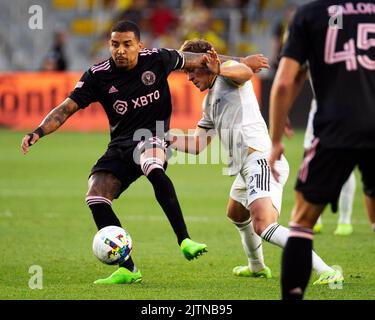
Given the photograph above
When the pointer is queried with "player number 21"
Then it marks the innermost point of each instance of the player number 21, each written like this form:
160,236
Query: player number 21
348,54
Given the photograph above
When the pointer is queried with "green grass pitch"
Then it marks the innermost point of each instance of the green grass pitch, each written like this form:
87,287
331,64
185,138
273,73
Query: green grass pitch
44,221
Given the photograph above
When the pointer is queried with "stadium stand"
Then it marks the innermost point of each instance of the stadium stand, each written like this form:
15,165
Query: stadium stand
237,27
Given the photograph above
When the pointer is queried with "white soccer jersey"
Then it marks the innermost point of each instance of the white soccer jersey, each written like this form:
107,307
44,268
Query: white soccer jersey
233,111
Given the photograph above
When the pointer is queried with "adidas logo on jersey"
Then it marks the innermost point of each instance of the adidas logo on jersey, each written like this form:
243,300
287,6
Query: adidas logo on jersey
112,90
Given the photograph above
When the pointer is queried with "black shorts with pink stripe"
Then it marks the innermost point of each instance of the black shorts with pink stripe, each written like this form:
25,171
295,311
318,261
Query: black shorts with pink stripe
123,163
324,171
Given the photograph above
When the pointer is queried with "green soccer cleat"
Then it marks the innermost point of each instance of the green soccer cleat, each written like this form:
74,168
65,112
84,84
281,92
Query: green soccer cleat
192,249
318,228
344,229
121,276
328,277
245,271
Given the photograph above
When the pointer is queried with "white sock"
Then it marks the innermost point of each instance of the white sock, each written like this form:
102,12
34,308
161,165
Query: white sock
346,199
278,235
252,245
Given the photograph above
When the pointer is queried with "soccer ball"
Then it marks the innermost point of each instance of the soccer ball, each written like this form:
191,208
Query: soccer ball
112,245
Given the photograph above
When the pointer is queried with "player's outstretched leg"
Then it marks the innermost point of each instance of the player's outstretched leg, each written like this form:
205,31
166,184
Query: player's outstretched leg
166,196
103,214
278,235
191,249
101,208
252,245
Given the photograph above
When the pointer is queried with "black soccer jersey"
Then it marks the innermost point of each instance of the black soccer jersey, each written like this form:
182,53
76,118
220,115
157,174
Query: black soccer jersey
337,39
134,99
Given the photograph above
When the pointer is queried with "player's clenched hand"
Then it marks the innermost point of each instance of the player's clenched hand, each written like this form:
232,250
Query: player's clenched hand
27,141
212,61
276,152
256,62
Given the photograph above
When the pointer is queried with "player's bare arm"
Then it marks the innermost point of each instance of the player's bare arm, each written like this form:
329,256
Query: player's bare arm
50,123
300,80
58,116
193,60
192,144
284,90
237,72
196,60
256,62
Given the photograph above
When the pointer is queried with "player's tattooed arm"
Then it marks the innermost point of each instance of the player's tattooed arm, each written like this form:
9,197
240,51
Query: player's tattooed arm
256,62
193,60
197,60
58,116
50,123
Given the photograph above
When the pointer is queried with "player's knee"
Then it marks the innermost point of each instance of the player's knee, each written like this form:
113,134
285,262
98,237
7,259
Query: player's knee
238,216
261,224
150,164
236,212
103,184
262,216
230,216
258,226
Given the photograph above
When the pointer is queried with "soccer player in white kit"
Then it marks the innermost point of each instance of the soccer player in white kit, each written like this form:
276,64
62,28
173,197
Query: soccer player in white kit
231,110
344,226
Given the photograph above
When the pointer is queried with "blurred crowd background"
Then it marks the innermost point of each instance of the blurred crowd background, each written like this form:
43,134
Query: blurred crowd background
75,32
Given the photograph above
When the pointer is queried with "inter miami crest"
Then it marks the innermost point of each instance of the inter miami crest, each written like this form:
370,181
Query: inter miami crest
148,78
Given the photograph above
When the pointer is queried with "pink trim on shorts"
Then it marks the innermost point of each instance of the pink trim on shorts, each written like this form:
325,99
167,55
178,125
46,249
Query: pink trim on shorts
310,154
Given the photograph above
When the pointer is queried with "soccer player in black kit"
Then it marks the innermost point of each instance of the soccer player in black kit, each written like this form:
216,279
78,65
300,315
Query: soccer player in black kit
337,40
132,87
133,90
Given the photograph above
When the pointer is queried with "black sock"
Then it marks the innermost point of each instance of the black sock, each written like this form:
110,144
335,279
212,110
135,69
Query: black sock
128,264
104,215
167,198
296,267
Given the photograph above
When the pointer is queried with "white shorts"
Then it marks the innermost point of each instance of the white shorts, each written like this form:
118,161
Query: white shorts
255,180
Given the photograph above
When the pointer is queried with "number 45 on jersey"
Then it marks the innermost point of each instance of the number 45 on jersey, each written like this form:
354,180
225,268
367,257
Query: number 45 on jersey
348,55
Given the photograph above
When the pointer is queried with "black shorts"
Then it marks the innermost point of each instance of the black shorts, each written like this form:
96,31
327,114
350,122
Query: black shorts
324,171
124,163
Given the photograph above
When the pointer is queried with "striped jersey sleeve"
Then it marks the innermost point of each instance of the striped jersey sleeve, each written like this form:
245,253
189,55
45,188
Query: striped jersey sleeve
172,59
